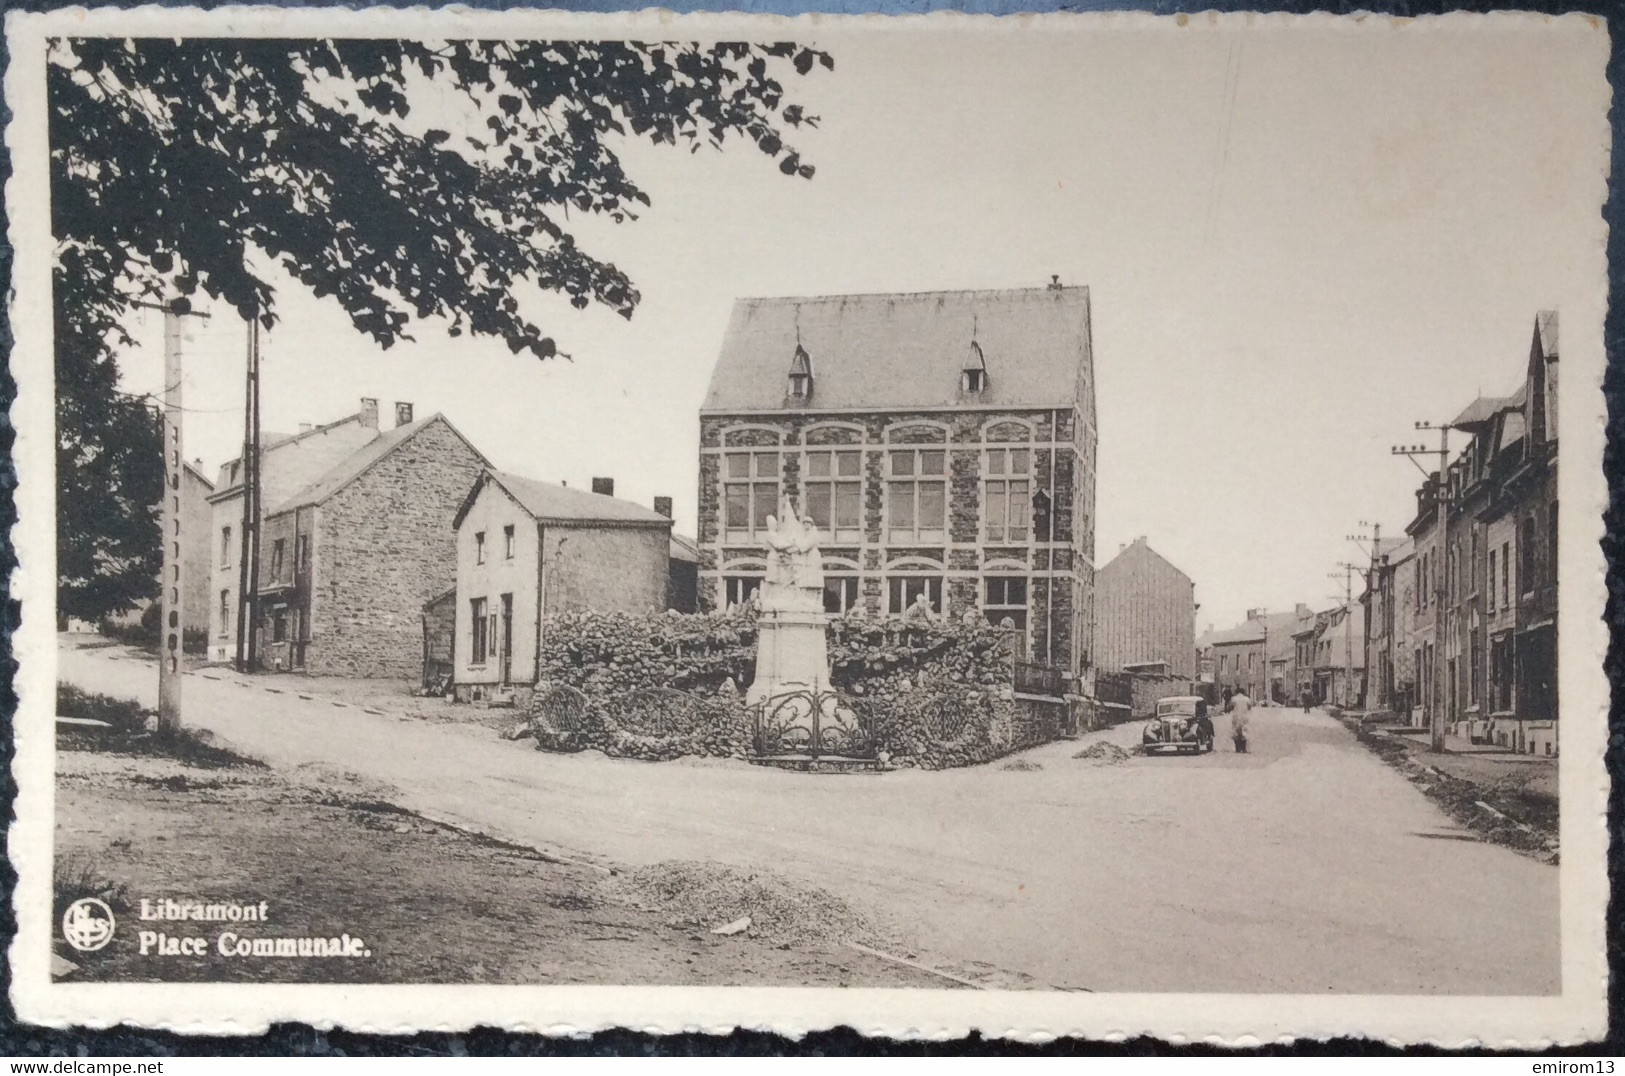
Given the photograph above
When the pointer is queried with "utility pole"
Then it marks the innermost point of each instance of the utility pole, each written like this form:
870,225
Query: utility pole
1375,540
1440,480
172,577
248,570
1347,571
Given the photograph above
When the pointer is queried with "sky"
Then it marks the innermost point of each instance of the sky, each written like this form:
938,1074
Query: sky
1299,241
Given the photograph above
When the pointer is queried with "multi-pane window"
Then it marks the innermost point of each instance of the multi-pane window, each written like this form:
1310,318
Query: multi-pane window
1007,494
301,552
225,611
833,492
903,591
507,542
840,593
225,547
480,631
917,495
1489,589
479,547
277,548
1005,596
750,491
737,589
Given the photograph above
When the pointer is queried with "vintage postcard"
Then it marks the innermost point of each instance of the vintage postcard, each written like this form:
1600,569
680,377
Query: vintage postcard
1049,525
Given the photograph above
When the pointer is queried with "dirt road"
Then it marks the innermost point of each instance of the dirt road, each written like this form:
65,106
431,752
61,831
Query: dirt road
1305,866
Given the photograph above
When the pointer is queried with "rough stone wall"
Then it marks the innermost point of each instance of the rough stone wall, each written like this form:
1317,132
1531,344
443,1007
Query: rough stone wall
606,569
384,546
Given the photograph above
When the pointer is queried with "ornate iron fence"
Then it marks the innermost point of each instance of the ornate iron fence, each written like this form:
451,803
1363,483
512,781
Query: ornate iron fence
811,724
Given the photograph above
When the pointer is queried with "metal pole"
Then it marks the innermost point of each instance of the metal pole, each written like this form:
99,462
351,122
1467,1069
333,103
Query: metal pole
171,624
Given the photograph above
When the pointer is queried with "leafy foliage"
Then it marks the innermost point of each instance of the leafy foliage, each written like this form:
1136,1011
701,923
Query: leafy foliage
176,165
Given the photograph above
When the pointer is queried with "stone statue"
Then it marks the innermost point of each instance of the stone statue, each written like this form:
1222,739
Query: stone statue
794,580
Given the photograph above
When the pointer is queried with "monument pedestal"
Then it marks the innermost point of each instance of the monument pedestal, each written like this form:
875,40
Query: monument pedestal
791,654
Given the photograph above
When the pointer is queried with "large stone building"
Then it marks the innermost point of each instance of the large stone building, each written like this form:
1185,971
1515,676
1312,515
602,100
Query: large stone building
527,550
1484,640
943,442
349,555
1145,612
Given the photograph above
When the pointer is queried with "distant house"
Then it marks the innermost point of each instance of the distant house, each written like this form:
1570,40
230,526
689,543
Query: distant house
526,550
1145,613
197,575
942,442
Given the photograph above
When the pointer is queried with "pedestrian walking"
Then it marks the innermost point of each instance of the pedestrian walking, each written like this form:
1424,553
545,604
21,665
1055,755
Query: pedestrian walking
1240,715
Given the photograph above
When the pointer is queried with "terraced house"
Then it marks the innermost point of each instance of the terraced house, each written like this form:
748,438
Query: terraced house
943,442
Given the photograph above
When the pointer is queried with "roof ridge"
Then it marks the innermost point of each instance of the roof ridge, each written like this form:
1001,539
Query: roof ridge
1041,289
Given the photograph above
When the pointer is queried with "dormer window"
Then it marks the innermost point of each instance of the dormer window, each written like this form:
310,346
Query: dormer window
801,375
973,376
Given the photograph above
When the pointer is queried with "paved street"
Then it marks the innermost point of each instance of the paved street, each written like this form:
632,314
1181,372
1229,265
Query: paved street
1306,866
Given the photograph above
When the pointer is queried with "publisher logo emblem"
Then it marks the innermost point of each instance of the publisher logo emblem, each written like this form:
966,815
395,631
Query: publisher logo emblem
88,924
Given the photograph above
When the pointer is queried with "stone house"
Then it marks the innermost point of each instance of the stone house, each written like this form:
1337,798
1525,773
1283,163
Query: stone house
348,561
943,442
526,550
1145,611
1237,656
288,462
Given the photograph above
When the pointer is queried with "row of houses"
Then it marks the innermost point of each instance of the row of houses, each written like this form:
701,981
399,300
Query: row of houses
366,531
1463,609
943,443
1291,658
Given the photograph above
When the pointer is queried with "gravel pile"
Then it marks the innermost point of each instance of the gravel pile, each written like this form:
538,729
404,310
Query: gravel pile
1023,765
701,896
1108,754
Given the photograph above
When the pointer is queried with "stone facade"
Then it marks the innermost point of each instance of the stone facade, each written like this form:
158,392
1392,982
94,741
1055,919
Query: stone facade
288,463
381,546
1056,568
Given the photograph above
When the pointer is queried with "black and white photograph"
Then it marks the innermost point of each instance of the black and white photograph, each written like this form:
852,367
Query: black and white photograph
1045,525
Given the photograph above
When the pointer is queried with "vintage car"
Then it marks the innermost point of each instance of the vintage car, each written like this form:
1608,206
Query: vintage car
1174,727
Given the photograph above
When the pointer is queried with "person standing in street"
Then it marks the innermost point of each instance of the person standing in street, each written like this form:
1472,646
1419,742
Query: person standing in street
1240,715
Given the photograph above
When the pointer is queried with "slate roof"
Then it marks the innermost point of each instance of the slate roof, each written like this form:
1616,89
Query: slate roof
684,548
906,350
548,502
357,463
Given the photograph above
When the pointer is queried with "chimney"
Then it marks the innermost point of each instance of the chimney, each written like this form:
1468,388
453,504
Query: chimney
663,506
606,486
403,414
1055,282
369,412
